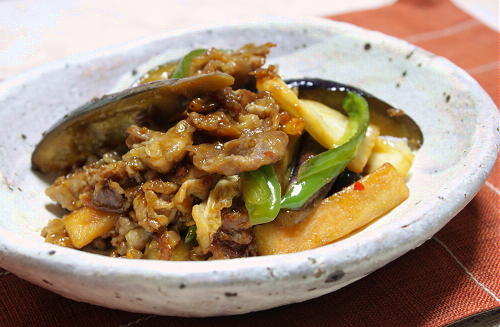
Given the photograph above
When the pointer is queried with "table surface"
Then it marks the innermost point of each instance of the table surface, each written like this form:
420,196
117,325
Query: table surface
34,32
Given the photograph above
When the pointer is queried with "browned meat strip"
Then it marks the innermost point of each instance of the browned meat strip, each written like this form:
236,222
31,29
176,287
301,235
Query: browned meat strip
235,101
109,196
184,172
167,241
232,101
55,233
240,155
240,112
161,151
67,190
267,112
236,217
203,105
239,63
153,206
137,135
232,244
235,238
216,124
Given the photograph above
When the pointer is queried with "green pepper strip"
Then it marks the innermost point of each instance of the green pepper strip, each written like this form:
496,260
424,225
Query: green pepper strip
321,169
184,66
190,235
262,194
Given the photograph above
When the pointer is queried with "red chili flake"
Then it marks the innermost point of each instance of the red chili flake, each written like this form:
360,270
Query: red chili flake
359,186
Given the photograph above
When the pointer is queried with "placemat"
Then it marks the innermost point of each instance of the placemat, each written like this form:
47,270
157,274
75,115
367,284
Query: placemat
452,276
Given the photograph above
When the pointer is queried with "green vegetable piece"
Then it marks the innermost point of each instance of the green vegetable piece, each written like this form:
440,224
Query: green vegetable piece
262,194
190,235
184,66
322,168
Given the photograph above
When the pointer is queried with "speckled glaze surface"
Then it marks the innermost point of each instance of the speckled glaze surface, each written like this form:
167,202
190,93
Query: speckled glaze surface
459,122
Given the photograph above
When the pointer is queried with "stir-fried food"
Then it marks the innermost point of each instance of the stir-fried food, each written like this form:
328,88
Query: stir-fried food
223,159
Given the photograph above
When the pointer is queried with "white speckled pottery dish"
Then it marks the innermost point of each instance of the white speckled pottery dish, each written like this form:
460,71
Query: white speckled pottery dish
458,120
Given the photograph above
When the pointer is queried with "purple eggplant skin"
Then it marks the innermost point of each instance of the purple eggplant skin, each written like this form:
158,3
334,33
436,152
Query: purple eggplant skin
308,148
288,217
332,94
318,83
345,179
292,217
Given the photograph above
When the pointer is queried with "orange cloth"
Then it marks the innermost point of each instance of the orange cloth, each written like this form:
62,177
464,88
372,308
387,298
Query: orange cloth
447,278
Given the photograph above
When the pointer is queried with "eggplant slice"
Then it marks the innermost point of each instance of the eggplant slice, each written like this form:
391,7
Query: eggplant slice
101,124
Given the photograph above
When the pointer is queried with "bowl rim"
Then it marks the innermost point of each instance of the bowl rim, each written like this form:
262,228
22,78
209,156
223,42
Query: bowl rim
429,220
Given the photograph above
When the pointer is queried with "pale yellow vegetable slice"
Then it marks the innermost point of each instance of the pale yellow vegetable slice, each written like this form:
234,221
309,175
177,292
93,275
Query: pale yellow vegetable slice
338,215
86,224
330,125
286,98
365,149
335,124
288,101
207,215
395,152
325,125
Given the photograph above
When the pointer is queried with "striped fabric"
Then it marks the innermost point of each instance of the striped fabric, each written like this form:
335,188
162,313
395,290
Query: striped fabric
452,276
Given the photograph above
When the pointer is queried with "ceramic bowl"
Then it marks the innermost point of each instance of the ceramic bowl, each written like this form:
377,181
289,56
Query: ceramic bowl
459,122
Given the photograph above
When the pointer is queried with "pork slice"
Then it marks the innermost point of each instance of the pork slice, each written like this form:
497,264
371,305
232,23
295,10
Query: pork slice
161,151
244,154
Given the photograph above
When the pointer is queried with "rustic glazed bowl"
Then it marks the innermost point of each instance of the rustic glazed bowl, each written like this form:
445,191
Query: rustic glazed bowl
458,120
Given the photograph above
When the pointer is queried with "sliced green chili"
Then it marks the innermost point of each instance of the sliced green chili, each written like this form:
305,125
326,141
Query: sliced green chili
321,169
190,235
184,66
262,194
